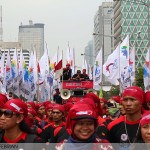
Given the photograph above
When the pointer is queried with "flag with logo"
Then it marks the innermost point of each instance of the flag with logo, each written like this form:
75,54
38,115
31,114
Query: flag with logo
146,71
2,67
97,71
8,74
124,63
111,66
14,65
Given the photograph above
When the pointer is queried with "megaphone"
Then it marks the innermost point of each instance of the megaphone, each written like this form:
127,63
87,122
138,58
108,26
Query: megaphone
65,94
91,91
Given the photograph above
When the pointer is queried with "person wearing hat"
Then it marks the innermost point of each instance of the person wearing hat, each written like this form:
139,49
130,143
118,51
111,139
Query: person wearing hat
40,119
147,100
67,72
78,76
12,122
126,128
145,128
58,116
82,120
86,77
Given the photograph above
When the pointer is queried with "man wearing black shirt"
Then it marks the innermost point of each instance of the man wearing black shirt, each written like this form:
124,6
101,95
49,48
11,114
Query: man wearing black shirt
78,76
126,128
57,98
67,73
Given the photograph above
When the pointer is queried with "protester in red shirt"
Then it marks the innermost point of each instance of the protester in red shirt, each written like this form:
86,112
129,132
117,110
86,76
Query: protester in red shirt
125,129
58,121
82,120
41,115
12,121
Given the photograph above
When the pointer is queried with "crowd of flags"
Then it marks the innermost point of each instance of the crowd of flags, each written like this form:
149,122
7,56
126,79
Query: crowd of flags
119,69
43,75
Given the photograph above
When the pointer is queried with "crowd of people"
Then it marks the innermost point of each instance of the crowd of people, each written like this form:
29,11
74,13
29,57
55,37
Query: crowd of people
124,120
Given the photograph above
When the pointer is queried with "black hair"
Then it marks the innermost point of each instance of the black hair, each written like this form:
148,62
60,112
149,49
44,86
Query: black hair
24,127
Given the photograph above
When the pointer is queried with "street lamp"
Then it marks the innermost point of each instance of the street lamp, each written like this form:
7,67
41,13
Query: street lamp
87,55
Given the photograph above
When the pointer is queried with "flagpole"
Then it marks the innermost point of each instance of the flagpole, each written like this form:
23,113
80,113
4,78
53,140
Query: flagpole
18,75
37,80
120,84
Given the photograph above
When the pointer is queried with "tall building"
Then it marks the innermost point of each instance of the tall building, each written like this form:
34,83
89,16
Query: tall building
11,46
89,54
104,29
132,18
31,37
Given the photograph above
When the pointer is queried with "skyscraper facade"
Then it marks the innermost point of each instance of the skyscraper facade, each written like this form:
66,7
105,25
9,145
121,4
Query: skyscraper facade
104,29
31,37
89,55
132,18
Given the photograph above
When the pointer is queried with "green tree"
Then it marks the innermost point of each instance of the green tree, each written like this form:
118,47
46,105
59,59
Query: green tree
139,78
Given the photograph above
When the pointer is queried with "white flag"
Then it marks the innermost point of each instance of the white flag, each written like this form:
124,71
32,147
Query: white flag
124,63
131,68
146,71
111,66
2,66
97,71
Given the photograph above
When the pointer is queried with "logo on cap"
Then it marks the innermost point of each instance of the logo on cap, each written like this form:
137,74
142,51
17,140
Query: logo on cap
15,106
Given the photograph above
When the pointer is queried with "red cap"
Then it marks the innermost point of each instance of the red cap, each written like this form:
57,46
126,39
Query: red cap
59,107
147,96
134,91
93,96
38,105
1,104
80,110
32,104
17,106
104,100
116,98
3,98
68,106
67,64
49,106
32,111
96,100
46,102
145,118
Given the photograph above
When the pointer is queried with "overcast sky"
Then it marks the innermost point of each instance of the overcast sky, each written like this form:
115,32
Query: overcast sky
65,20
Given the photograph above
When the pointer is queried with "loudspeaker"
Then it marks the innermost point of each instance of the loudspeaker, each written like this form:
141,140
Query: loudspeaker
65,94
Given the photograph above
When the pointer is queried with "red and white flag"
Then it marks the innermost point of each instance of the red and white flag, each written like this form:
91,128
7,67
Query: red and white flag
58,66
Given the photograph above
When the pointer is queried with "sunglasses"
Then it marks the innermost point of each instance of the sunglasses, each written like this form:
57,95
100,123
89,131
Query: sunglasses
7,113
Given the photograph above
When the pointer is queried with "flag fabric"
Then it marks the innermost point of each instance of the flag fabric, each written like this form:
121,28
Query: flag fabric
111,66
8,74
53,61
124,63
68,57
44,64
2,66
2,71
146,71
32,76
58,67
131,68
14,65
97,71
72,60
101,93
